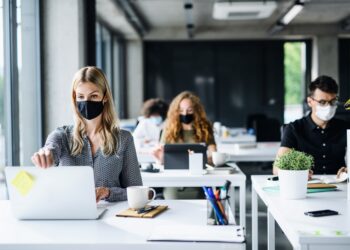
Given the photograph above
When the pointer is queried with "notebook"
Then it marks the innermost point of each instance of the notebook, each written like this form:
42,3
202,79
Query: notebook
133,213
276,189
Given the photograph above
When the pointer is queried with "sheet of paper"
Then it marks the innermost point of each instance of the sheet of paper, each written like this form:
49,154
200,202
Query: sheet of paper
205,233
23,182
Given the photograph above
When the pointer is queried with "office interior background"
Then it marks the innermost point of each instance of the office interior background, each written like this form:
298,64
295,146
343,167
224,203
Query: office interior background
240,66
157,48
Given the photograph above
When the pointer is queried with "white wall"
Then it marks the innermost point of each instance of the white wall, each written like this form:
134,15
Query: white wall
63,55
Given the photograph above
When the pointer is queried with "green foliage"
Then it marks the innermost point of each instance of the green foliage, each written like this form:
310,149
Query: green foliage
294,160
293,73
347,105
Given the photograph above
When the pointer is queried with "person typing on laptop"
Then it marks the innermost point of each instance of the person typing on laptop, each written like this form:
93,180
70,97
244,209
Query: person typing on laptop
95,139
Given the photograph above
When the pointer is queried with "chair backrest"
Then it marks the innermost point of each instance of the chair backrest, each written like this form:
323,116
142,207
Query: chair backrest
252,118
268,129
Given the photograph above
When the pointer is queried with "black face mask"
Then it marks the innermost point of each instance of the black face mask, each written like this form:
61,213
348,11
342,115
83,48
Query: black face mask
187,119
89,109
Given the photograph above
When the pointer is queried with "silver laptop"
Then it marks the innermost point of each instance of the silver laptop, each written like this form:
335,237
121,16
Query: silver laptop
53,193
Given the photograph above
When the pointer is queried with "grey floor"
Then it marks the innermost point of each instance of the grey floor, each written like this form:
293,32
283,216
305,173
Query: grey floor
282,242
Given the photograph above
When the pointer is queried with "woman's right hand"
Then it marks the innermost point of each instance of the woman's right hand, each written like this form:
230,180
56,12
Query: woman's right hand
158,153
43,158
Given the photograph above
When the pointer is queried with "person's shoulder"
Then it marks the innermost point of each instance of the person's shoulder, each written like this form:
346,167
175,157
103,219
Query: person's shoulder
297,124
63,130
341,123
124,134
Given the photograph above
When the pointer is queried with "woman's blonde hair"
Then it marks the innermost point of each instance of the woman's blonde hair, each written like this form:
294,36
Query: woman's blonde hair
109,129
202,127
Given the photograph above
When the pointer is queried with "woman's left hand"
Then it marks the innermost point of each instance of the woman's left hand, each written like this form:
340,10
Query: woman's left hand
101,193
341,170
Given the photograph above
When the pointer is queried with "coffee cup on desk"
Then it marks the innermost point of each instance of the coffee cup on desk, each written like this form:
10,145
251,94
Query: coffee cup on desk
219,158
139,196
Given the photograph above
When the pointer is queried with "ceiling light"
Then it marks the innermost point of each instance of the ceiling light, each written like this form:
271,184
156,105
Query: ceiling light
292,13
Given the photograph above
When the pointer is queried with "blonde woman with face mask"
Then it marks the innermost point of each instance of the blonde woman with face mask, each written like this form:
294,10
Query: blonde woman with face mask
95,139
319,133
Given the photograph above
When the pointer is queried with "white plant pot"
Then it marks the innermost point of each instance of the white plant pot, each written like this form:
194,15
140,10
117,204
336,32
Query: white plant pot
293,183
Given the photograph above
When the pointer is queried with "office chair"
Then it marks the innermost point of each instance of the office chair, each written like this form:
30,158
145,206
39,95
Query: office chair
252,118
268,129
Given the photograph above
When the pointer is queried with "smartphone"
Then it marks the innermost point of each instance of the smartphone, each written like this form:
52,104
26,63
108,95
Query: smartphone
319,213
273,178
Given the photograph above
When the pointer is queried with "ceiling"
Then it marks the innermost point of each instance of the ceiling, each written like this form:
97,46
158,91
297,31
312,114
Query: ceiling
166,19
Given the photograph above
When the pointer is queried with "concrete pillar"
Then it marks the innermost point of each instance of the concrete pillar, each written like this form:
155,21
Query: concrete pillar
134,78
325,56
63,54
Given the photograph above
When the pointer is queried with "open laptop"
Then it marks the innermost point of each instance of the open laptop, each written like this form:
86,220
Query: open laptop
176,155
53,193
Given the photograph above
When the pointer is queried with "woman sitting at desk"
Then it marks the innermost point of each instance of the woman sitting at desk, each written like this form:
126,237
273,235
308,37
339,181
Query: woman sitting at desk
148,131
186,123
95,139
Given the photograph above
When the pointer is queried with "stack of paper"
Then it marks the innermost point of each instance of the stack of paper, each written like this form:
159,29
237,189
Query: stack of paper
205,233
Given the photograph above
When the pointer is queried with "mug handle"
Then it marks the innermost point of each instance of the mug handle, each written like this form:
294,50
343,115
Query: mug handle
154,194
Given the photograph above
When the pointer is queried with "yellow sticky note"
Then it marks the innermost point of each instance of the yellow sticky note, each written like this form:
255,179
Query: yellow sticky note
23,182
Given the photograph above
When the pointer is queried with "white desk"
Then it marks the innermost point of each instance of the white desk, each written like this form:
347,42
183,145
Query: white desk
182,178
265,151
238,138
108,233
300,229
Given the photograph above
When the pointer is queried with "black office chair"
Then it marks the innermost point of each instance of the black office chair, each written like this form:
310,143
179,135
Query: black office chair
252,118
268,129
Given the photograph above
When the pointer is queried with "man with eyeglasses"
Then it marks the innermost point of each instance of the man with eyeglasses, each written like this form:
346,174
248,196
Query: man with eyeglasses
319,134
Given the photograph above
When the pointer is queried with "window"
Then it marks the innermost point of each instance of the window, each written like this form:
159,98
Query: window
110,51
20,96
294,80
2,88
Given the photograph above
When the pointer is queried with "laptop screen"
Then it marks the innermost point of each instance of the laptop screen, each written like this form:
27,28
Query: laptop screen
176,155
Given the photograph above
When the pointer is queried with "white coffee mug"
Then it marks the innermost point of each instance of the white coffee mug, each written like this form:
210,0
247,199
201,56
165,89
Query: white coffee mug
219,158
138,196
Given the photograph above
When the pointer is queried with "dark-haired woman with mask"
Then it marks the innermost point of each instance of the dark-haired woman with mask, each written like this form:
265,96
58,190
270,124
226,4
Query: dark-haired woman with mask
186,123
95,139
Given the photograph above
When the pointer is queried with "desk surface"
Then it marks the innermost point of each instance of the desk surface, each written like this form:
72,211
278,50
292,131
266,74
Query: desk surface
183,178
264,151
301,229
109,232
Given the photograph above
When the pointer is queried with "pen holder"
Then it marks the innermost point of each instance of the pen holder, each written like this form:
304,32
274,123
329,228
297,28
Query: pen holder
218,211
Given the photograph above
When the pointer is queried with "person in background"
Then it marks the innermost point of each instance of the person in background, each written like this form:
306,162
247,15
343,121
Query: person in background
95,139
148,130
319,134
186,122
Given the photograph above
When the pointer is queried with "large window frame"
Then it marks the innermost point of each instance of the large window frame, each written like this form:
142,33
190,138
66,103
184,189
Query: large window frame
111,58
22,137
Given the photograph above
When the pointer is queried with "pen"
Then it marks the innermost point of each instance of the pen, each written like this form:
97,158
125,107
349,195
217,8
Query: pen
146,209
212,200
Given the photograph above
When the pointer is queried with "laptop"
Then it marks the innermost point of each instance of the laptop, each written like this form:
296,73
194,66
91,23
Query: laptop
176,155
62,193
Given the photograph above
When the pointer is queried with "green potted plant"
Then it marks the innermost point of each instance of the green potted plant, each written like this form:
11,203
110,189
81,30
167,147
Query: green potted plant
293,173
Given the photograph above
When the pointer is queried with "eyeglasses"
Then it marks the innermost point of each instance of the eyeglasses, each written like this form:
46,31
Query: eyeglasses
332,102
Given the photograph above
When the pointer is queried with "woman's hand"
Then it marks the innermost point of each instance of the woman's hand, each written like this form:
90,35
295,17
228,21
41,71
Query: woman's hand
158,153
341,170
101,193
43,158
310,175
